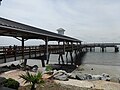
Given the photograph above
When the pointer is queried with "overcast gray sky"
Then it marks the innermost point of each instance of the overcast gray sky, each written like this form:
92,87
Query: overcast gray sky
87,20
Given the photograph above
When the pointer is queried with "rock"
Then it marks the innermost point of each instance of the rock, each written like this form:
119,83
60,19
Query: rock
80,76
105,75
106,78
12,66
97,77
35,68
18,66
27,67
5,66
88,76
72,75
60,75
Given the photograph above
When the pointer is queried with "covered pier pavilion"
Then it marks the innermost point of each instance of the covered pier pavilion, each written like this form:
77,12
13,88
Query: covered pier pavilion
24,32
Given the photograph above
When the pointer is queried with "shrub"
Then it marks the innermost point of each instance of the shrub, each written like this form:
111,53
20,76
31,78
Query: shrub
32,79
11,83
48,68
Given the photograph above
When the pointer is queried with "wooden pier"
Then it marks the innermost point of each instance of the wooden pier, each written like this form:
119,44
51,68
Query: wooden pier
24,32
91,46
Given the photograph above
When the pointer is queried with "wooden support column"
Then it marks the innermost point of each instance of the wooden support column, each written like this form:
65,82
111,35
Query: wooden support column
102,49
76,53
71,53
67,57
116,49
72,46
39,51
46,53
4,49
23,56
59,59
90,49
60,56
71,58
76,57
35,51
80,49
29,52
77,46
48,58
15,52
64,47
46,44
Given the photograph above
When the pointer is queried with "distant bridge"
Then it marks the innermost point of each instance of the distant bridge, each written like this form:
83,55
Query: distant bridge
91,46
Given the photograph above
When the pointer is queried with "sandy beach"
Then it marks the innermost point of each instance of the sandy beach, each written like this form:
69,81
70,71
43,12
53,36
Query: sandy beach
113,71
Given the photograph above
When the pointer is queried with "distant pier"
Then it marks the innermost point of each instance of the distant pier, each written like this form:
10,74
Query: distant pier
91,47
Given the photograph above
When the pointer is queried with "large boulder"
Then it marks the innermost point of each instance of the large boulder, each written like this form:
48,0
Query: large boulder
80,76
60,75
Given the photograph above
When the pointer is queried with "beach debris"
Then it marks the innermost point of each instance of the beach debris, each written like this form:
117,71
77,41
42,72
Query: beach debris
60,75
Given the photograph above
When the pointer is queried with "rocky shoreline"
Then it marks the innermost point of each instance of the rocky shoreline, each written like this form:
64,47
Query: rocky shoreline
88,77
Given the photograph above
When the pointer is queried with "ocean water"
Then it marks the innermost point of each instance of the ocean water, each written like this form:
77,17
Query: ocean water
102,58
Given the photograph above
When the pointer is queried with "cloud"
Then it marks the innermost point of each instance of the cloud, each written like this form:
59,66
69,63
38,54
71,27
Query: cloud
89,20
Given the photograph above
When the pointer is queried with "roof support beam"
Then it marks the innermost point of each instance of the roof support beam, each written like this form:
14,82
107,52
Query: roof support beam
20,39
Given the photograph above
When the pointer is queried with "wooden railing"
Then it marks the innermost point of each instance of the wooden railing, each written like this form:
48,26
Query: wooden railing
16,51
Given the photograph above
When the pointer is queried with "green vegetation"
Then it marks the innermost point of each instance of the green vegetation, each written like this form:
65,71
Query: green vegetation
11,83
48,68
32,79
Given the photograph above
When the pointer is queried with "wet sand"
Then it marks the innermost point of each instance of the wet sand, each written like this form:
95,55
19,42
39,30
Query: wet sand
113,71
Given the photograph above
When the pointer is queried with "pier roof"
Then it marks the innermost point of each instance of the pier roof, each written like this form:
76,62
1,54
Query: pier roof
15,29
